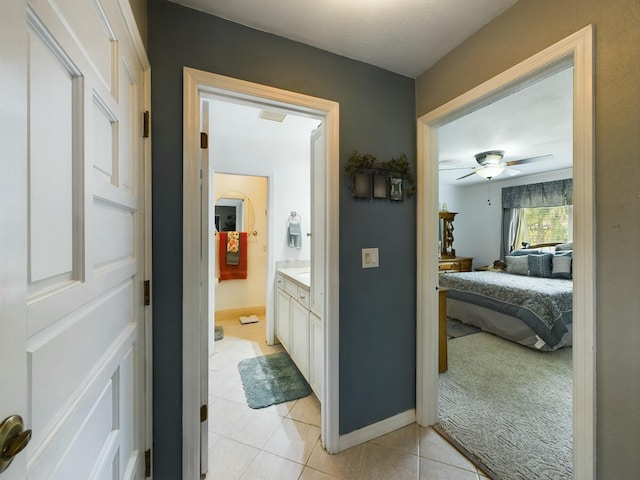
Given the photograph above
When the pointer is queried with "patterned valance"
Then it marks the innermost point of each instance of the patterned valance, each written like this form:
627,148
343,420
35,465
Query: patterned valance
544,194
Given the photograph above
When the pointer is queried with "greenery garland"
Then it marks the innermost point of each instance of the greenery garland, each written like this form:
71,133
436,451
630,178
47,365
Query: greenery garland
368,163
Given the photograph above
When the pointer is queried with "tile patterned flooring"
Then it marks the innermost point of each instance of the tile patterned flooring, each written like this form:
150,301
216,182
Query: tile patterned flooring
283,441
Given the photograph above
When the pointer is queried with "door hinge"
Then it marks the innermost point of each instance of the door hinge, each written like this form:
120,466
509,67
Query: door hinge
146,120
204,140
204,413
147,292
147,463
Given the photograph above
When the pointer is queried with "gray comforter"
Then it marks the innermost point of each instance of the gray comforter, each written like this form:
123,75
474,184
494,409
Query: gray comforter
544,304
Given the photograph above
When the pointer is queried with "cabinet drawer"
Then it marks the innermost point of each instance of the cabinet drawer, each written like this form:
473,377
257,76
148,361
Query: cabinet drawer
291,288
279,281
465,265
303,296
449,266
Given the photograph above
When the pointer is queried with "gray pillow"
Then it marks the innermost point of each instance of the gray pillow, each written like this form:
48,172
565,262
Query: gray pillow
540,265
523,251
517,264
561,265
564,246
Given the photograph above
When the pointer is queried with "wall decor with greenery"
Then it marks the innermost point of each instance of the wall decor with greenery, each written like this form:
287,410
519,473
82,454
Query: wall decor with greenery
372,177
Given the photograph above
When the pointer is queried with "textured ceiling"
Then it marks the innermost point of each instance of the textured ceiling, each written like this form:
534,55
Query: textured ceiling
534,121
403,36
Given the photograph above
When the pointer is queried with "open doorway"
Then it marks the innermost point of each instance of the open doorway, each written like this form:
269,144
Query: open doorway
197,301
503,380
575,50
240,204
252,138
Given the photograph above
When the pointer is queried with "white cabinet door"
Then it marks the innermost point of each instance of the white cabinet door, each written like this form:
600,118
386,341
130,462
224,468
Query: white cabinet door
300,337
283,318
71,238
316,354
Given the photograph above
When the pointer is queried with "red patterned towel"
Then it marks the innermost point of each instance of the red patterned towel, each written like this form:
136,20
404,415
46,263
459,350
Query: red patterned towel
232,272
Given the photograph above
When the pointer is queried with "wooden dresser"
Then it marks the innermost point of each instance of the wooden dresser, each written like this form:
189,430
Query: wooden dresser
455,264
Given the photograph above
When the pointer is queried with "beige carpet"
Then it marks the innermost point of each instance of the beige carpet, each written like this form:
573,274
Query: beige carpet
510,406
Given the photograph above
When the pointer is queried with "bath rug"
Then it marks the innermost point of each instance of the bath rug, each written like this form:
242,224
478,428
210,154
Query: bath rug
272,379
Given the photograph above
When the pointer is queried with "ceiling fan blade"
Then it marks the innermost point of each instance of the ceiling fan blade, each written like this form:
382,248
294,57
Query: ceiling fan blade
527,160
456,168
512,172
465,176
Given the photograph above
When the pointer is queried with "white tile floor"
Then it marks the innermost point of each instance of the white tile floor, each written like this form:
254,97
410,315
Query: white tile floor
282,442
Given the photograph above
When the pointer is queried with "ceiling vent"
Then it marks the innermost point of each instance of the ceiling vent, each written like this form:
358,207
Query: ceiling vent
273,116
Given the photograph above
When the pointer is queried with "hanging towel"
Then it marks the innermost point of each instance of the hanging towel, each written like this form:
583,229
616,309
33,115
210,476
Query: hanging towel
233,248
232,272
295,235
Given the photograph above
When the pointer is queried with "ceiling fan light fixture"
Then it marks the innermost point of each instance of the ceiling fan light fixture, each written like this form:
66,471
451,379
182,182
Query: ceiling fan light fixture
492,157
490,171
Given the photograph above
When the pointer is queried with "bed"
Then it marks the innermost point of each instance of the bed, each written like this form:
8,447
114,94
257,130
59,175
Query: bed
530,303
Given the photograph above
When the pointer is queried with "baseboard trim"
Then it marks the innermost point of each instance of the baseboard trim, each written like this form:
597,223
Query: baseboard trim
376,430
233,313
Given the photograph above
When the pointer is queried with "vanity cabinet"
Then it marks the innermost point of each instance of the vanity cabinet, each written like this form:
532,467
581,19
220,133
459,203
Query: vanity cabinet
283,318
299,329
300,337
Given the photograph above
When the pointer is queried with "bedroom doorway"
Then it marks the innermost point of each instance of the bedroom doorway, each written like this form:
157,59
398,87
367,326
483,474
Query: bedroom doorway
576,51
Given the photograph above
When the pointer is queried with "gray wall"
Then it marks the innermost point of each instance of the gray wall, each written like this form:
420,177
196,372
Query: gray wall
377,306
139,9
525,29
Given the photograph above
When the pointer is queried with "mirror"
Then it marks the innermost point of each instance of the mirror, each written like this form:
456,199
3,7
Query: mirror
234,212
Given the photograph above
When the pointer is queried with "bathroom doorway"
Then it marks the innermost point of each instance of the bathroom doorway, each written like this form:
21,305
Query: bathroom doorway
198,245
247,141
240,204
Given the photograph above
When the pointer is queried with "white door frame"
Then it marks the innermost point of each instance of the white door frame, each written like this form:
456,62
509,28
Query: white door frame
195,82
577,49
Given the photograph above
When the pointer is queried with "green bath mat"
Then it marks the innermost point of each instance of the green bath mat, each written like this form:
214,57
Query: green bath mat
218,334
272,379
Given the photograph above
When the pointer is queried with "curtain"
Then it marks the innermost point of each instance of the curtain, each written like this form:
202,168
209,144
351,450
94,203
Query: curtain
514,199
545,194
511,225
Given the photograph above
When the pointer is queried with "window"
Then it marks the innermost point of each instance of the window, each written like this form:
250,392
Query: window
545,224
537,213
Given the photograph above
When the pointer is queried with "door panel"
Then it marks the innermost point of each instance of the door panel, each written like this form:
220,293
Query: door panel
52,216
81,344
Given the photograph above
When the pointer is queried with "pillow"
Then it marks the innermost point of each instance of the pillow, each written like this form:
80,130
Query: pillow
540,265
517,264
564,246
561,265
523,251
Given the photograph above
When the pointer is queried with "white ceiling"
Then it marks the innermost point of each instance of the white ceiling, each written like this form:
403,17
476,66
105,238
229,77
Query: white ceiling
402,36
532,122
239,120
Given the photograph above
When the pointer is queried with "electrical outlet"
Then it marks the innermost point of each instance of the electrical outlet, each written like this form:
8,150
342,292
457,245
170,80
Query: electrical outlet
370,258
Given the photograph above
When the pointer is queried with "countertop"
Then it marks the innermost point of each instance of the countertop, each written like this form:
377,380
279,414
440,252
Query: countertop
300,275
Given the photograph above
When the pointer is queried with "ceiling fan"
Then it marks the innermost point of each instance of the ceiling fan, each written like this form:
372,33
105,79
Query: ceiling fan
491,164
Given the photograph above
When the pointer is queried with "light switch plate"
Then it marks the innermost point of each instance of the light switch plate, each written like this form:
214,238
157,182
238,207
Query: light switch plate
370,258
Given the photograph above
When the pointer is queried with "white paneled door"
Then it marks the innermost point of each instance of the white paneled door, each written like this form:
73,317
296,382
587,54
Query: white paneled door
72,340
